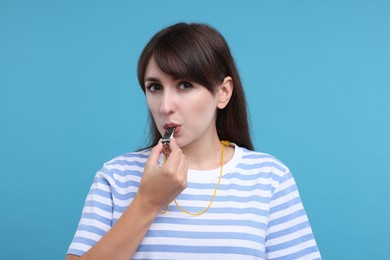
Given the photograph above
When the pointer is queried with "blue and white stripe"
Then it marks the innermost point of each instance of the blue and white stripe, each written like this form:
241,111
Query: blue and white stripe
257,213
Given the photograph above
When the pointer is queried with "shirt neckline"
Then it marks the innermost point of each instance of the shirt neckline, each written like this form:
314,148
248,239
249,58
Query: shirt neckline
197,175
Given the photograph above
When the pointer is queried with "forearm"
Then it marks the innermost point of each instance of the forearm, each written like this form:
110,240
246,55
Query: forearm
123,239
159,186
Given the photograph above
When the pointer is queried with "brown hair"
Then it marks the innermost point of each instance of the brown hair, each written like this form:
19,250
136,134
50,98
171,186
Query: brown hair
199,53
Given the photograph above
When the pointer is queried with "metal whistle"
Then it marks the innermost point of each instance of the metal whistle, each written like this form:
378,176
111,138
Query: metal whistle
167,139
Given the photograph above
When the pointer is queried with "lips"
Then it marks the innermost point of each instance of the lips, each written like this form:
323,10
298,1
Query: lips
177,126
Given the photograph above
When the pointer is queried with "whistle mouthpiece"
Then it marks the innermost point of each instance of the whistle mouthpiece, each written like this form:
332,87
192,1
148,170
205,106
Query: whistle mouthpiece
168,135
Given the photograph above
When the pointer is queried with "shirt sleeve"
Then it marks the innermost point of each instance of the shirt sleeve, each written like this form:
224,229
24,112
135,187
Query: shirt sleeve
97,215
289,235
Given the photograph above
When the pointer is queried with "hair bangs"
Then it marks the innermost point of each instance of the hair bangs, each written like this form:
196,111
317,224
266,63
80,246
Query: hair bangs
182,59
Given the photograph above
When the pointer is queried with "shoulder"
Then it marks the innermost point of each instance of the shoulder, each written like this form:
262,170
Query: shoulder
131,158
262,167
255,159
125,164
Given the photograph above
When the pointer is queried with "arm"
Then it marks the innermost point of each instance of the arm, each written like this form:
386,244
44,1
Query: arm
158,187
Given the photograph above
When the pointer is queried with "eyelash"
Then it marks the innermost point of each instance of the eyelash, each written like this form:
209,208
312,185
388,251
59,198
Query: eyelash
186,83
153,86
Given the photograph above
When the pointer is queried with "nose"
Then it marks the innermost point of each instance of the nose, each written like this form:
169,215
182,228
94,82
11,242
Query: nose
168,103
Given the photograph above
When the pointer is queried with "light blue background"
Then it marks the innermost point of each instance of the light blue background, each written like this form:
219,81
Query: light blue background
316,75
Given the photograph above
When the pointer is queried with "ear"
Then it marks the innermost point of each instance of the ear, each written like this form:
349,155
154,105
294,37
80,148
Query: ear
225,91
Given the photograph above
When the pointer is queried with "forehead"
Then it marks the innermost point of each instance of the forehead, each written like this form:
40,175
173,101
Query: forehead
154,71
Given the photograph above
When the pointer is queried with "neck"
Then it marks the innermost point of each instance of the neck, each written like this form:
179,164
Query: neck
204,155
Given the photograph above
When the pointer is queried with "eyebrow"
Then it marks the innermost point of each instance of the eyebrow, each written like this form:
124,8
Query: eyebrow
152,79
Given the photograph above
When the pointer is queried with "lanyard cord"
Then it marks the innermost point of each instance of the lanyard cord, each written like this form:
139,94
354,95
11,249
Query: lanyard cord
223,143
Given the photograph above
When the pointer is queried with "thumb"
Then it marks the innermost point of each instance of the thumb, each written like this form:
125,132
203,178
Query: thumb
173,145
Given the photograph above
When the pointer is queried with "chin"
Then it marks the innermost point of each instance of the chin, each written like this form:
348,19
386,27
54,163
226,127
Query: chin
179,142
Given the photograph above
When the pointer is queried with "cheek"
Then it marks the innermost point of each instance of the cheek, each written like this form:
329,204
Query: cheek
204,110
148,100
153,108
151,105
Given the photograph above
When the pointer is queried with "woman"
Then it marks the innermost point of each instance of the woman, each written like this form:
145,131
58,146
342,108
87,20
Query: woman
208,199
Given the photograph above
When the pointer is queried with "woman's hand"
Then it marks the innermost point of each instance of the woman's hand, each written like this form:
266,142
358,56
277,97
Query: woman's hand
158,187
161,185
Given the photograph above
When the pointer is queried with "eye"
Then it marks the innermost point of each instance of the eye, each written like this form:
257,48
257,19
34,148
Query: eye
185,85
153,87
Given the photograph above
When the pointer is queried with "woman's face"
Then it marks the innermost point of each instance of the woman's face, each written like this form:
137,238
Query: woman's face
188,106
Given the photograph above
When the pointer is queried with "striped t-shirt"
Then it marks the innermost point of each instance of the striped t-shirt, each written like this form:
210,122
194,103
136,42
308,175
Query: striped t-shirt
257,212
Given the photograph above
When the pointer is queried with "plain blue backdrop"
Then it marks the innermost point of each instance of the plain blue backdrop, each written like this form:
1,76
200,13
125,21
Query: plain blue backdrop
317,79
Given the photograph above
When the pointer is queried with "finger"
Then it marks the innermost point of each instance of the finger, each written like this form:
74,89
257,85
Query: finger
183,168
174,157
173,144
174,147
155,154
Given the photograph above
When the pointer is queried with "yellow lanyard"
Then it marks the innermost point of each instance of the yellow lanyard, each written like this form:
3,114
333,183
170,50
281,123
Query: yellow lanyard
223,143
